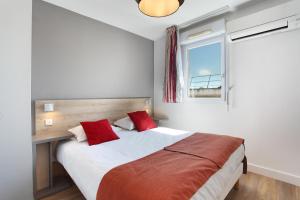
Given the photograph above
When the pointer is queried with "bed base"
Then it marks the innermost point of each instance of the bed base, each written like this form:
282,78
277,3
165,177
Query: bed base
233,183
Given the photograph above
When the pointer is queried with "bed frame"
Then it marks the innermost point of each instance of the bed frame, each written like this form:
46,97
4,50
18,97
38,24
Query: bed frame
69,113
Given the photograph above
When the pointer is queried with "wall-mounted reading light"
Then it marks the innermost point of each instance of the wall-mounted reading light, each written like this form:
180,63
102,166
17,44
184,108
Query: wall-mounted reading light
48,107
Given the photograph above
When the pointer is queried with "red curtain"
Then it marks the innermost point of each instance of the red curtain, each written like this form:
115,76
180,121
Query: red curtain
171,68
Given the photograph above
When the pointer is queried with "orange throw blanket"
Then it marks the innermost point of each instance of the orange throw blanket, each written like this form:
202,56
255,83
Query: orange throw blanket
176,172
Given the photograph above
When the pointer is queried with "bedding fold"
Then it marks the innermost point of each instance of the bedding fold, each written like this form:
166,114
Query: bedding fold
176,172
216,148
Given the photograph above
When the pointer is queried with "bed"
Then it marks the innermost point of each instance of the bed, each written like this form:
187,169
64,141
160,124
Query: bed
88,164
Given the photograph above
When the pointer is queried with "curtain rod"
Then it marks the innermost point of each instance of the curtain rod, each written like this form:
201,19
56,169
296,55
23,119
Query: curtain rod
214,13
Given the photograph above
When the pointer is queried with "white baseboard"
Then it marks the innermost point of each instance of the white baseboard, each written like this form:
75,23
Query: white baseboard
276,174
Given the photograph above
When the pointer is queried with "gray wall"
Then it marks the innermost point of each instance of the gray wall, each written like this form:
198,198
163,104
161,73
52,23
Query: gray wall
15,65
77,57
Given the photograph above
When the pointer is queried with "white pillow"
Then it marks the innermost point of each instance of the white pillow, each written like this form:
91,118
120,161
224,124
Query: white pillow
116,129
125,123
80,135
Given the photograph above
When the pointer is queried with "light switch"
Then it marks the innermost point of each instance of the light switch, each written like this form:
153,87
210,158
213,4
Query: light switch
48,122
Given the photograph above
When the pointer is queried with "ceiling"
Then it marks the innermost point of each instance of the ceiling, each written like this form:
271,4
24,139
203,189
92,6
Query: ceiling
124,14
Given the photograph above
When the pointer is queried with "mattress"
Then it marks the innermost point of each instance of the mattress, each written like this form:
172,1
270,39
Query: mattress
88,164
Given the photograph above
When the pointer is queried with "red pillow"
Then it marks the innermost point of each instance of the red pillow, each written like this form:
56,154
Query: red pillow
98,132
142,121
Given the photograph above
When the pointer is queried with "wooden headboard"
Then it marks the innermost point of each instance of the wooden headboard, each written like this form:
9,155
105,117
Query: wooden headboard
69,113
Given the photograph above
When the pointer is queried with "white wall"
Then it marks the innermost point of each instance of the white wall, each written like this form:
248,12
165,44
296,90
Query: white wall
15,111
265,103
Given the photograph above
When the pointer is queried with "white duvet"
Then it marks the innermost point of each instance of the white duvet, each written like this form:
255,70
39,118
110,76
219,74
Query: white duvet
88,164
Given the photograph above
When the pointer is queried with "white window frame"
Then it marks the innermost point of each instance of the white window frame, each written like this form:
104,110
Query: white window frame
185,52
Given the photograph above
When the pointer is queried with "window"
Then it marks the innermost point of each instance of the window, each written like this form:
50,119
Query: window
205,65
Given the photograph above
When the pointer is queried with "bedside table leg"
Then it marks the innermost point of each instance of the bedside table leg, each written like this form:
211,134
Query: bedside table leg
34,171
50,165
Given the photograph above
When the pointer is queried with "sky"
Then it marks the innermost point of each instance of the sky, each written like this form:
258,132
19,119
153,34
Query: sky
203,61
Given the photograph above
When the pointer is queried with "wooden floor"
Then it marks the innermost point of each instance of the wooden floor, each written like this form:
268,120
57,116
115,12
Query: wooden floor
256,187
252,187
70,194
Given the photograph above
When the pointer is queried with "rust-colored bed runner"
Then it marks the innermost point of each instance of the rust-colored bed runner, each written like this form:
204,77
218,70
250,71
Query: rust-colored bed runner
174,173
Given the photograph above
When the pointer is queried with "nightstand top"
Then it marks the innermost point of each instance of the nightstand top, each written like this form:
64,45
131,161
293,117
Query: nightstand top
160,118
50,137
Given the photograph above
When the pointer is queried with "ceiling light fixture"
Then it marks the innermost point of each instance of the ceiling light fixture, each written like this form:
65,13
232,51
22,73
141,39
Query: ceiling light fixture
159,8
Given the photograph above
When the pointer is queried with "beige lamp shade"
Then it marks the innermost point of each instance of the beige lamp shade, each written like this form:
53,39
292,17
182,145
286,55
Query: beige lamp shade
159,8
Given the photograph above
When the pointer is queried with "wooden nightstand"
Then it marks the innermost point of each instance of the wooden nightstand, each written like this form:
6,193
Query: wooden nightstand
158,119
48,175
